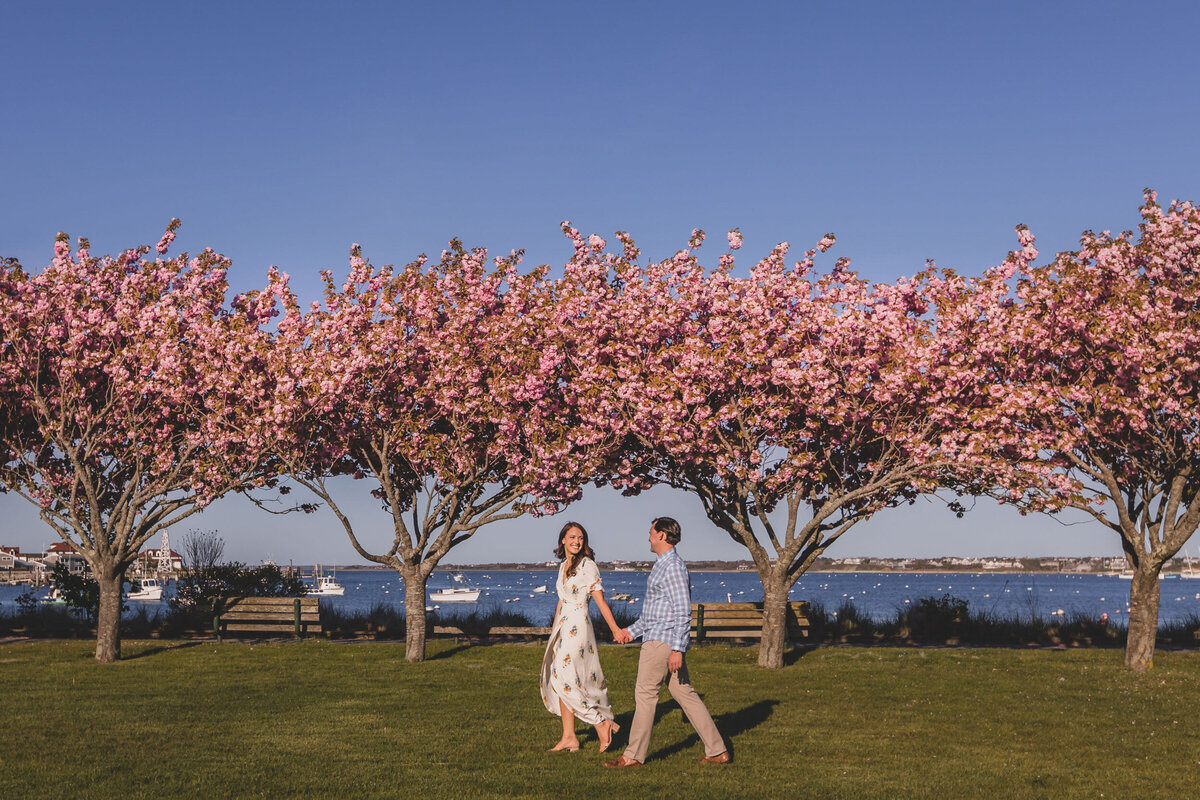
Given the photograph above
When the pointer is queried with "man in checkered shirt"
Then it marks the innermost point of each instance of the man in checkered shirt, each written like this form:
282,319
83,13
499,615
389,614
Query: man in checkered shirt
664,628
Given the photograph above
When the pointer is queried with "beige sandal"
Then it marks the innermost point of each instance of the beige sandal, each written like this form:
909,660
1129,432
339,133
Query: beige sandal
613,728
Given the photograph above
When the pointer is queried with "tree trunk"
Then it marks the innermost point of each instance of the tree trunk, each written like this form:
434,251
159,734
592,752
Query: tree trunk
414,614
1143,617
108,620
774,629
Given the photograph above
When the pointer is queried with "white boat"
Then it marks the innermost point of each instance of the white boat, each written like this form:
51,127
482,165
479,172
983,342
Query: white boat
324,586
1127,575
455,595
623,596
55,596
147,590
539,589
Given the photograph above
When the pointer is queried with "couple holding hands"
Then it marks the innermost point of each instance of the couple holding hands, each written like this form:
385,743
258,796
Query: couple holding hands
573,684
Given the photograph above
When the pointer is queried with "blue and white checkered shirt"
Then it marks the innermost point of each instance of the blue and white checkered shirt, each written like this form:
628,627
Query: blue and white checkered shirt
667,610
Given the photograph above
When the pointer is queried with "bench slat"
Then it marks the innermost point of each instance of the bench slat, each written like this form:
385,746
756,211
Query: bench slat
509,630
755,624
271,619
267,611
272,603
245,626
794,604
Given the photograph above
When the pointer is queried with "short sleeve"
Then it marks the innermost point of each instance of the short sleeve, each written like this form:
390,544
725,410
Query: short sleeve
591,576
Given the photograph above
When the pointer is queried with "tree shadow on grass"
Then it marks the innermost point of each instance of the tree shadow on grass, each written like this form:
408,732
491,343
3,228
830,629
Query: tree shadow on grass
731,725
447,653
153,651
796,653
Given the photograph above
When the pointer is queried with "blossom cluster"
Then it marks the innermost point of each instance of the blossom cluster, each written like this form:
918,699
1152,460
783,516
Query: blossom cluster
125,383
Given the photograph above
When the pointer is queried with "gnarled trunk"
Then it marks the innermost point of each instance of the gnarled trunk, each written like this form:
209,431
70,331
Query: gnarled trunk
414,613
108,620
1143,616
774,629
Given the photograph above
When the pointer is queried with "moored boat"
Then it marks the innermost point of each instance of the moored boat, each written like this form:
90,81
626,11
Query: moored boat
455,595
148,590
1189,571
324,586
55,596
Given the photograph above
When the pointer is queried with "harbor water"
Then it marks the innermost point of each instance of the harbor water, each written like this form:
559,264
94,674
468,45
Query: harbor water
873,594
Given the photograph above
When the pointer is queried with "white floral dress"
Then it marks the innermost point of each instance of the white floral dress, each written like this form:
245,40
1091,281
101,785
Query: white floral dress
571,667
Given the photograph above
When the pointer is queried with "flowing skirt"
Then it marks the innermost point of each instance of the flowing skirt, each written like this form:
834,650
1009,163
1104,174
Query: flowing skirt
571,669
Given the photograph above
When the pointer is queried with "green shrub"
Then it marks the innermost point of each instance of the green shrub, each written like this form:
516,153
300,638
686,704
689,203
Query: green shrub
387,622
81,591
384,621
202,593
935,619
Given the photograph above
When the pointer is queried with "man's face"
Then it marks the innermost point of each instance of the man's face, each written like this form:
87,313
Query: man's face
655,536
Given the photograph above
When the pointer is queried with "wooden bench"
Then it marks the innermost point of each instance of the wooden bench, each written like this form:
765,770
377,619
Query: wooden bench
271,615
744,621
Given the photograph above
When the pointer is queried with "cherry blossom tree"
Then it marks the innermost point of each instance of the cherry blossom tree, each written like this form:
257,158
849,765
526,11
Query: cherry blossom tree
444,386
794,405
1097,385
120,377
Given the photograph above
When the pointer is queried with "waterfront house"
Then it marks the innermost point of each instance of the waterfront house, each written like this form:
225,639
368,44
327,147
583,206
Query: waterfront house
18,567
65,553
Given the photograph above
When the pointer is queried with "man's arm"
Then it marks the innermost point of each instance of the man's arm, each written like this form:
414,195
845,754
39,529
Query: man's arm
635,630
638,627
679,594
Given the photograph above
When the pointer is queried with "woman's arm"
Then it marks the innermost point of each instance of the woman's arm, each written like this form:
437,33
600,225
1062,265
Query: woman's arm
605,611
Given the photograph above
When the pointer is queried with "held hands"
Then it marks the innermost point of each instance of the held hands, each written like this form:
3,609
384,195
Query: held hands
622,636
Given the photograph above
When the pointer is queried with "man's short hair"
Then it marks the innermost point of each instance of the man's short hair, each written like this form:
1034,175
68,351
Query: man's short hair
670,527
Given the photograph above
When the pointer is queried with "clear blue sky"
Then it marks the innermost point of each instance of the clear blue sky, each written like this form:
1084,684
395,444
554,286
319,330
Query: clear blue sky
280,133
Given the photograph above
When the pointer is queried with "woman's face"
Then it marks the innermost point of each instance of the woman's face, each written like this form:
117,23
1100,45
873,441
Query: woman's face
573,541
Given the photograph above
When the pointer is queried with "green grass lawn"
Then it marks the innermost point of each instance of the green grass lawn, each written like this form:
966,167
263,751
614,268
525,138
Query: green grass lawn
325,720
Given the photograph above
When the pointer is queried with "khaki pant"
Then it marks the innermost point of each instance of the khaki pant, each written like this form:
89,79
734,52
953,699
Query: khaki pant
652,671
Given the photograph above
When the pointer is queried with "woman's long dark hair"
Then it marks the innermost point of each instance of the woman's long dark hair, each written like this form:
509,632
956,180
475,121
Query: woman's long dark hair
584,552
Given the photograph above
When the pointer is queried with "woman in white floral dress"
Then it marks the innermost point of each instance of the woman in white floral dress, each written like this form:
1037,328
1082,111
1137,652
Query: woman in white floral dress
573,684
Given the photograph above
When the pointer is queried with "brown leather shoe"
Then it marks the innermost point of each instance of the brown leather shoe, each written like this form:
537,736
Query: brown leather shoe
719,758
622,763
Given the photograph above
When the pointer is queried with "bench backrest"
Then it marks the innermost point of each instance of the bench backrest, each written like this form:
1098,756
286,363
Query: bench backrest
743,620
299,615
